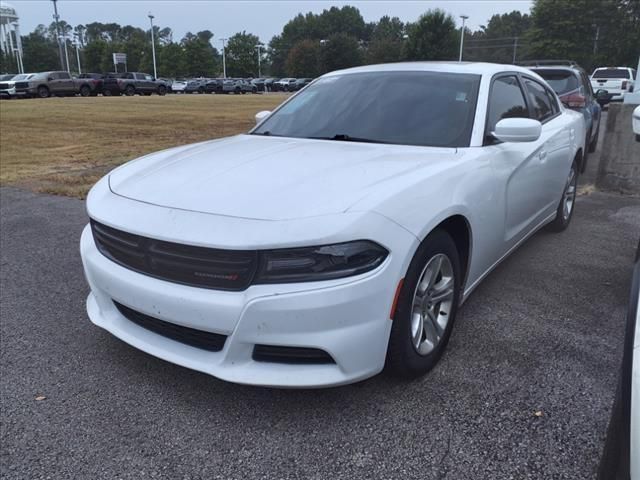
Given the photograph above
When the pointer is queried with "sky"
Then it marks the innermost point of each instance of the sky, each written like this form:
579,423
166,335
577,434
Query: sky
264,18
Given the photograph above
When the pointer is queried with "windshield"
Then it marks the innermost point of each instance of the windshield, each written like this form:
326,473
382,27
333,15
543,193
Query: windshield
611,73
560,81
406,108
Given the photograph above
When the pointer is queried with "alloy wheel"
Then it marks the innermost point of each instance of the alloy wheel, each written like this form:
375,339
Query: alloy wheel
431,305
569,197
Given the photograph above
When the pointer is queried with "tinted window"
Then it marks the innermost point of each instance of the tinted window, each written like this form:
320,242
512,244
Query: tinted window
408,108
611,73
562,81
62,76
539,100
506,101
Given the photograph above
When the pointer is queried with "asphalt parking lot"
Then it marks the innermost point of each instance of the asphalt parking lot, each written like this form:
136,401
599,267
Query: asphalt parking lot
524,390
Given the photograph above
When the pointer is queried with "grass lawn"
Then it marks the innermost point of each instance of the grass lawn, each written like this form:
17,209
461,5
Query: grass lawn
64,145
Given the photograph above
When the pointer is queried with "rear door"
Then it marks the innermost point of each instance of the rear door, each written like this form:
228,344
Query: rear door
65,83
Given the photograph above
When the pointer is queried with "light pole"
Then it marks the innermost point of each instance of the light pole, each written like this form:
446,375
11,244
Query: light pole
224,60
463,17
153,47
56,17
63,38
258,48
77,44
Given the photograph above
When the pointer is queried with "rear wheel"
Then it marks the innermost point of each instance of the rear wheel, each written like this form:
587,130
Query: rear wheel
427,307
130,90
162,90
85,90
567,202
43,92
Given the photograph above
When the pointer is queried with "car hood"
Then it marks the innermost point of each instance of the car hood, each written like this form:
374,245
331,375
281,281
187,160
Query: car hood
271,178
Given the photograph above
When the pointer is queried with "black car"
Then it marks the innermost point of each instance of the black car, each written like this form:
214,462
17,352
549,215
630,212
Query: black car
214,85
573,87
299,84
96,79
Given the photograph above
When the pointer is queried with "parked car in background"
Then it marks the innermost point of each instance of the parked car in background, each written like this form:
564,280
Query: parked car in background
56,83
259,84
95,81
340,234
8,84
196,85
573,87
620,459
269,84
131,83
214,85
178,86
283,84
238,85
635,121
616,81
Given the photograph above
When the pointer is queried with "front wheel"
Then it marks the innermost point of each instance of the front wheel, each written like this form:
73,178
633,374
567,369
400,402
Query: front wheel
85,90
43,92
567,202
427,307
130,91
162,90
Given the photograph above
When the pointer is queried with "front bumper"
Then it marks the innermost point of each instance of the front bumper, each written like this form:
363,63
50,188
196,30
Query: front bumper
347,318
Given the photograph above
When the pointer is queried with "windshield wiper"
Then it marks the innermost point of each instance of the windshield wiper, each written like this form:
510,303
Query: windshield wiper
343,137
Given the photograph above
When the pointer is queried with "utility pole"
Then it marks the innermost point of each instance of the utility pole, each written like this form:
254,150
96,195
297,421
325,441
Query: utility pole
224,60
515,49
463,17
258,48
595,41
153,47
56,17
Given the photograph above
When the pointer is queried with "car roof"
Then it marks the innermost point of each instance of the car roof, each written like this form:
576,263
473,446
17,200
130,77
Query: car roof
477,68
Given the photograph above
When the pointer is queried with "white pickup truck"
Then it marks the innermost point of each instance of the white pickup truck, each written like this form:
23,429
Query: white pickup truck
615,80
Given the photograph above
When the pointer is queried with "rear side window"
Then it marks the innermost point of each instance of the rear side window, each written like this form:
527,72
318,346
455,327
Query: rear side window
562,81
611,73
544,106
506,101
63,76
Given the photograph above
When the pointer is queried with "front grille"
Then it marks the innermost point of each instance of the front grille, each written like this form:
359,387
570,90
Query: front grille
212,342
291,355
4,86
22,84
178,263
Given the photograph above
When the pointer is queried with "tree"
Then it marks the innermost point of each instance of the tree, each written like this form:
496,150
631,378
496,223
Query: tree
241,54
340,51
304,59
567,29
433,37
40,53
171,60
497,41
387,41
201,58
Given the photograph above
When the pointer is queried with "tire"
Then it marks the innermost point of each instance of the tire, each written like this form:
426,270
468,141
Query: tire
85,90
236,91
568,200
107,93
43,92
411,353
162,90
254,90
593,145
201,90
130,91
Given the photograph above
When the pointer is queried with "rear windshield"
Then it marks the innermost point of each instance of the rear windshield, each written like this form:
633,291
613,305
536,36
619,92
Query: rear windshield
561,81
611,73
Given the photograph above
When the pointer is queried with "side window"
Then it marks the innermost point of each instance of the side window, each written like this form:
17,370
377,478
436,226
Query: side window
505,101
148,77
54,76
540,100
64,76
139,76
554,102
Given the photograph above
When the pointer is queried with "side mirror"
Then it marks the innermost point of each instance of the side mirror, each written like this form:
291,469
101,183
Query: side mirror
49,79
602,95
517,130
260,116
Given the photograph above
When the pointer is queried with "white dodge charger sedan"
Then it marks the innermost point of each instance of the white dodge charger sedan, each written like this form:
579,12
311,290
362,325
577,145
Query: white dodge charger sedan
342,233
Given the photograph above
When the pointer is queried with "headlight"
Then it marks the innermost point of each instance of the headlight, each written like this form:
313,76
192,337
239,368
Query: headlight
319,263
